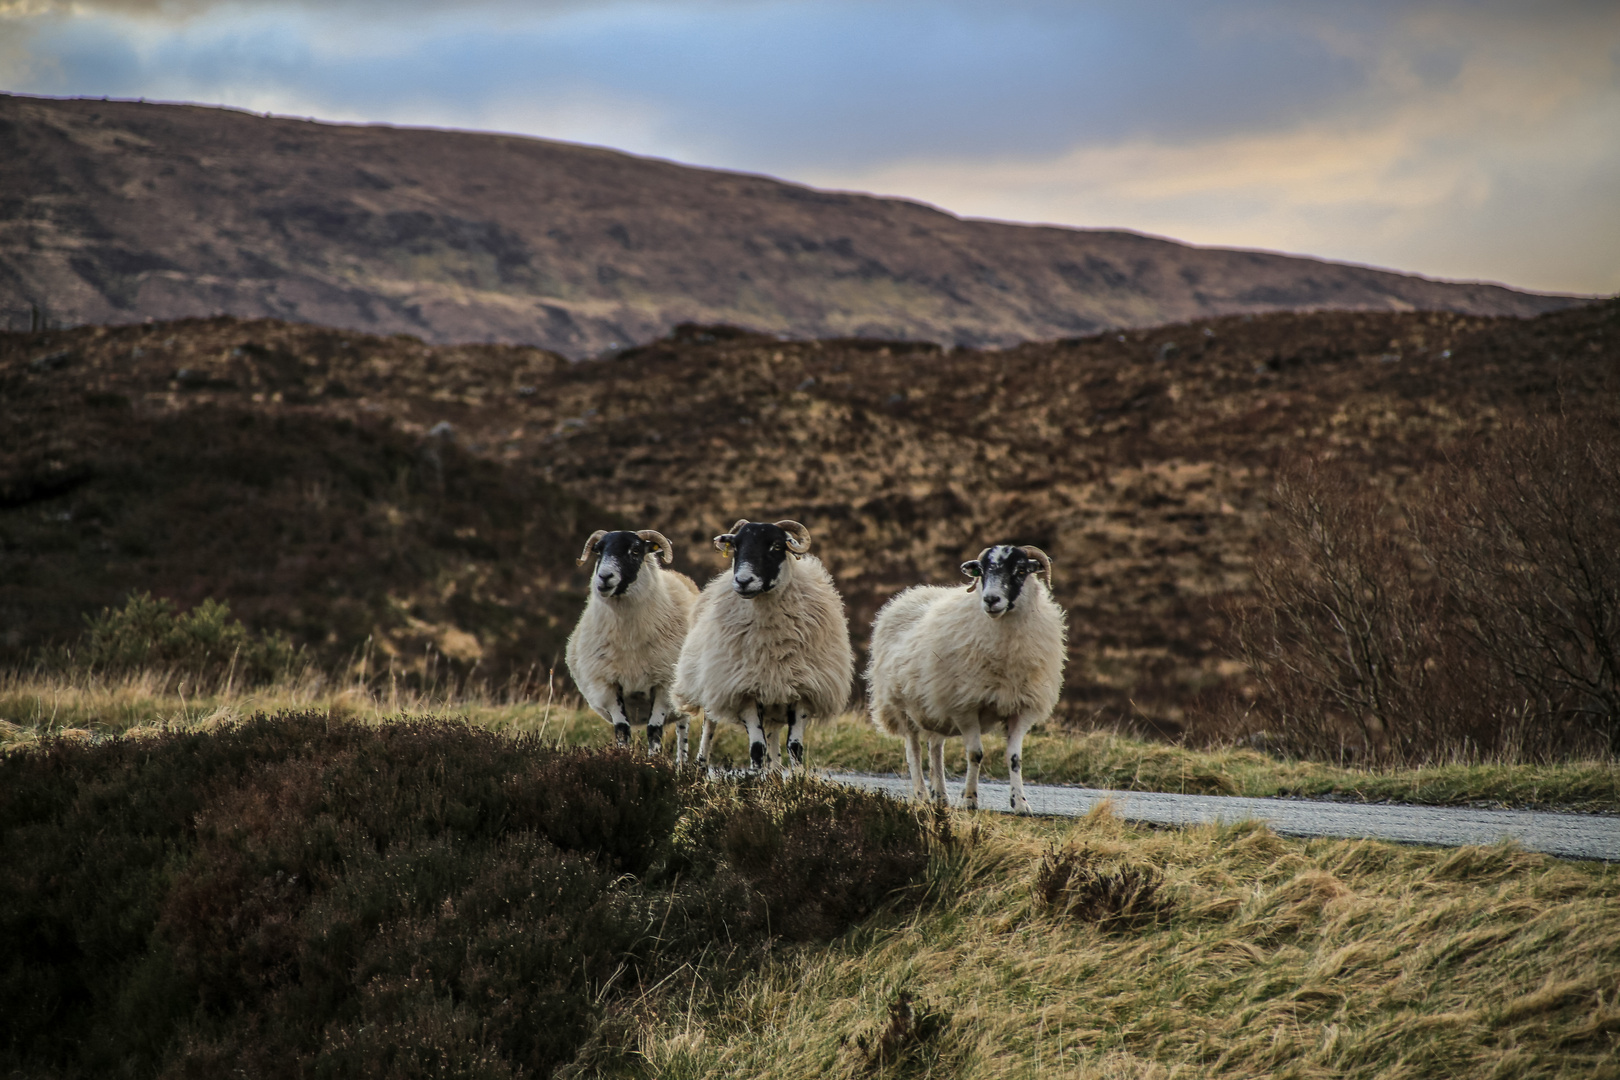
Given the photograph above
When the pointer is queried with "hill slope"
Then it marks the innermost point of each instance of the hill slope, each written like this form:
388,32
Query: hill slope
294,471
118,211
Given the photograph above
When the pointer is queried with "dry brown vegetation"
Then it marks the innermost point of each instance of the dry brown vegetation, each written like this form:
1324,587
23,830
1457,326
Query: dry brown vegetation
1477,616
290,471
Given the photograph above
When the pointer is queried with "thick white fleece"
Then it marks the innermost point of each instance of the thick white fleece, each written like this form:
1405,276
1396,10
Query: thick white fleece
631,641
789,644
937,658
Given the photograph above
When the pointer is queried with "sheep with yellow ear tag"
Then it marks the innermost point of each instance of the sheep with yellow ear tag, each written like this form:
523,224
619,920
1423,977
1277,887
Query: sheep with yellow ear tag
769,646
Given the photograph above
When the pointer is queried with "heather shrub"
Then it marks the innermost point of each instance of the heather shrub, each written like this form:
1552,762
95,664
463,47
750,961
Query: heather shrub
150,632
297,896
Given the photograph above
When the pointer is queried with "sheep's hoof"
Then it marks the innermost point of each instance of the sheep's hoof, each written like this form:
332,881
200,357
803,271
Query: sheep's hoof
970,802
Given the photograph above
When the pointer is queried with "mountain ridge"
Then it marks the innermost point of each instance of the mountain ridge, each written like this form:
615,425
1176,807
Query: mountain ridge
117,211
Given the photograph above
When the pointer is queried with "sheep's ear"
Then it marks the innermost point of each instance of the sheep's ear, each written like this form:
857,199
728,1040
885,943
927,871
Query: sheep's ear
666,550
725,542
975,571
1041,557
590,547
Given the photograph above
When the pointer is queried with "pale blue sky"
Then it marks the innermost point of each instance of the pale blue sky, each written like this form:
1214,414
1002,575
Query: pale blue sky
1463,140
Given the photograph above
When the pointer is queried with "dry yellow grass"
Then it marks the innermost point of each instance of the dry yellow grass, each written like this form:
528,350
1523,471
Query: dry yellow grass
1279,959
91,705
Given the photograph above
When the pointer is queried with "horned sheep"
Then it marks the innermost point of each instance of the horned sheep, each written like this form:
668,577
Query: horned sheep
622,652
769,645
951,662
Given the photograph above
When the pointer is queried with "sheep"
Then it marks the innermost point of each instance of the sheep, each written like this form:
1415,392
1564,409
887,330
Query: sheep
622,652
769,645
950,662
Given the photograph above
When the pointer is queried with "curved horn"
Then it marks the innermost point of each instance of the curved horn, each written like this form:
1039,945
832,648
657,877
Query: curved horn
740,523
798,536
1041,557
590,547
660,541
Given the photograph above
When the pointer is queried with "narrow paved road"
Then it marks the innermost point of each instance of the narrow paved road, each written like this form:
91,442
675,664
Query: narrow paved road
1569,836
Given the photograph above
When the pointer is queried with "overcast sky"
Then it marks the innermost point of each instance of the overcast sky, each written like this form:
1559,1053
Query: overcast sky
1461,140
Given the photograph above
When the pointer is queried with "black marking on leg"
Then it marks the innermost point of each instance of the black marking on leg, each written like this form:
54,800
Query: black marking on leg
621,732
977,757
756,754
1014,763
655,738
796,752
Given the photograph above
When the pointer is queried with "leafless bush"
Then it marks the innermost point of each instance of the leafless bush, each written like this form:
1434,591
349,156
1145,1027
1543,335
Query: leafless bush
1481,622
1526,537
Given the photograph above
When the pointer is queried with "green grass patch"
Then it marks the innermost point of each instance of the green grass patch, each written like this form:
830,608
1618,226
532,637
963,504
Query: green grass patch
32,706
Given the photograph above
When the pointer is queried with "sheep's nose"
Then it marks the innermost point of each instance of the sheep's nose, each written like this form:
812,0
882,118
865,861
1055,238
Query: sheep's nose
995,605
606,582
747,584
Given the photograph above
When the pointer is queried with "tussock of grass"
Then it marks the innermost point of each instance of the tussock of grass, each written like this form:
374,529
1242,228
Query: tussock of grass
32,705
1279,959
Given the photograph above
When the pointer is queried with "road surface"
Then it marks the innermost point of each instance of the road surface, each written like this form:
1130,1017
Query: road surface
1569,836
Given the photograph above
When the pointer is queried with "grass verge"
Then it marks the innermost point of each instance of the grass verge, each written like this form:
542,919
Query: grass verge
1257,957
32,706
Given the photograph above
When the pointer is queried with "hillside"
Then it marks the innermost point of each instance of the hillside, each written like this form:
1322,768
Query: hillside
114,212
295,472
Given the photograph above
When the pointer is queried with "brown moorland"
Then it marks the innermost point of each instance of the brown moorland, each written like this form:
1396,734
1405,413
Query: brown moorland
338,487
115,211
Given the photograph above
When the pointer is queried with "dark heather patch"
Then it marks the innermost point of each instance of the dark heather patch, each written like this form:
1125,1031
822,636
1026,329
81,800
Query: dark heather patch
758,552
628,550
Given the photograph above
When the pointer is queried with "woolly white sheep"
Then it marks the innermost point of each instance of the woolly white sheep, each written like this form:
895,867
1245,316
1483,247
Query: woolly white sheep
948,661
622,652
769,645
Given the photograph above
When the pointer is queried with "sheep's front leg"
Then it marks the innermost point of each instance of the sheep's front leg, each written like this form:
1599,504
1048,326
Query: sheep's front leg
655,722
705,741
797,716
621,719
680,739
914,762
773,747
936,767
756,734
1016,728
975,758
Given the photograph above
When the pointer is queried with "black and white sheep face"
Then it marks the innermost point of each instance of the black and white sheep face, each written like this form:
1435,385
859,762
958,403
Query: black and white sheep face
619,556
999,573
760,558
